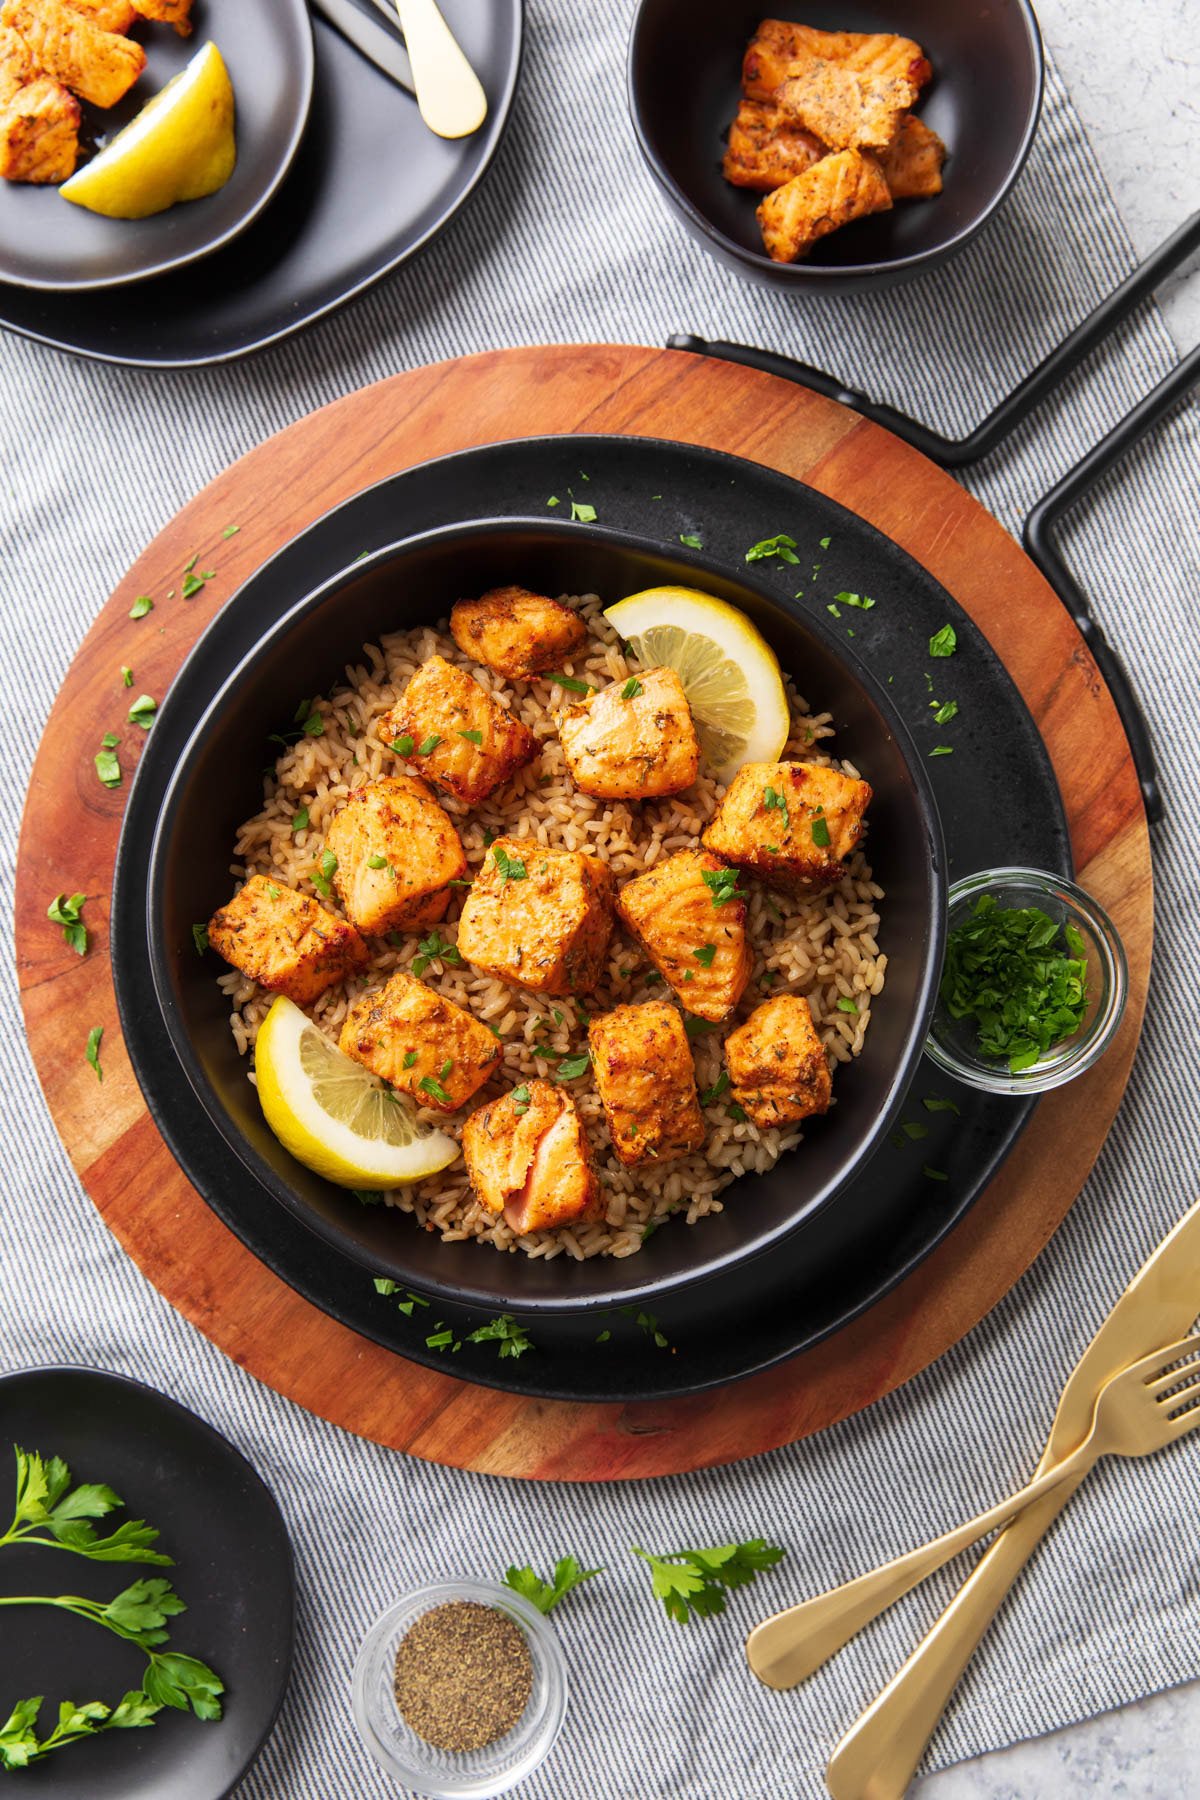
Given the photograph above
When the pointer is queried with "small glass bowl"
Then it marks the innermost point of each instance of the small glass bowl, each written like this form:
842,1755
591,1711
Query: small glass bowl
444,1774
953,1043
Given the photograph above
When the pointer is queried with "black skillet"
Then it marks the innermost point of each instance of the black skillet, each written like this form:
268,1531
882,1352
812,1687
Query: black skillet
996,795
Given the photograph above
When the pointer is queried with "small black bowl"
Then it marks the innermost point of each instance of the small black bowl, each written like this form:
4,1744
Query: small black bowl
182,875
685,64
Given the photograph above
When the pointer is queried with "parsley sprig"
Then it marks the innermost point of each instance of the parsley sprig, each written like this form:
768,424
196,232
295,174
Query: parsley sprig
19,1741
546,1594
48,1511
511,867
693,1583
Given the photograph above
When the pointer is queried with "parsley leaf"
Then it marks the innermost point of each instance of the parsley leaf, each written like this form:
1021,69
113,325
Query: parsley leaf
946,711
723,885
430,745
108,768
716,1090
403,746
820,833
569,682
428,1085
92,1051
846,1005
691,540
200,938
693,1583
68,913
775,800
300,819
546,1594
324,872
142,711
520,1098
571,1068
141,606
632,688
582,512
472,737
704,954
783,547
863,603
943,642
942,750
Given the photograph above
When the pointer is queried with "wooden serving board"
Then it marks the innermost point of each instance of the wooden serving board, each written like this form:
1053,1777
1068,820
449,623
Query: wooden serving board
71,825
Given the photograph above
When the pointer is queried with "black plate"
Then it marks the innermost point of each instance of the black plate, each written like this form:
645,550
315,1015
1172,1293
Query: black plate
46,242
983,101
233,1567
998,801
368,186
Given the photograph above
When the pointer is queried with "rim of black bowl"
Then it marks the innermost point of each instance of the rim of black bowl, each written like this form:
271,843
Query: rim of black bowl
461,1291
167,264
819,274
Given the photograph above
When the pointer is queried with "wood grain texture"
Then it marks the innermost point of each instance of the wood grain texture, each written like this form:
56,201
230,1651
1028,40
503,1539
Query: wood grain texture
71,825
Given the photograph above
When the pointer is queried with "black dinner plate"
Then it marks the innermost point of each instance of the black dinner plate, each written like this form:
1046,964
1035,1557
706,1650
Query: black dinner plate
48,243
233,1568
998,800
369,185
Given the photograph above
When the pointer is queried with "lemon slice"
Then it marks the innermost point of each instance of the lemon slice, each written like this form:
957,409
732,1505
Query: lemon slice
729,672
333,1115
180,147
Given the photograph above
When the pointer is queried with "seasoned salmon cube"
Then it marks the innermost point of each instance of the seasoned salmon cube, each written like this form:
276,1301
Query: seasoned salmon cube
632,741
168,12
528,1158
793,824
779,47
766,148
646,1080
39,133
517,632
835,191
100,66
845,110
458,736
420,1042
285,941
912,165
539,918
397,851
689,918
109,15
16,64
777,1064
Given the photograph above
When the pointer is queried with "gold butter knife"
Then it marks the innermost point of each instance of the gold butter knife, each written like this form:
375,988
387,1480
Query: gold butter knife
877,1758
449,93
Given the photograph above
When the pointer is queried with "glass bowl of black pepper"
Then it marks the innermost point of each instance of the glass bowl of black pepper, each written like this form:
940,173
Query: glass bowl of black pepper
1033,986
460,1690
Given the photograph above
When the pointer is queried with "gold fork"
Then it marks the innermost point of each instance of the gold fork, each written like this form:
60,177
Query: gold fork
1140,1410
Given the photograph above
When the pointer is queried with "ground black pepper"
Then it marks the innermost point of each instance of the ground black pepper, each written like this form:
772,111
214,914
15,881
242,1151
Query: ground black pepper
463,1675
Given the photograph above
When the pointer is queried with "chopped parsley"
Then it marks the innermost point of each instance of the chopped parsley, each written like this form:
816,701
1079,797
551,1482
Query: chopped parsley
313,724
410,1059
403,746
845,1005
934,1104
570,1068
93,1050
737,1113
324,872
820,832
300,819
775,800
141,606
946,711
632,688
513,1340
569,682
716,1090
68,913
825,543
696,1027
200,938
942,750
192,584
428,1085
472,737
377,862
126,675
934,1174
944,642
231,531
1020,975
430,745
520,1097
554,500
107,766
445,1068
723,885
142,711
912,1128
862,601
511,867
434,948
691,540
704,954
582,512
783,547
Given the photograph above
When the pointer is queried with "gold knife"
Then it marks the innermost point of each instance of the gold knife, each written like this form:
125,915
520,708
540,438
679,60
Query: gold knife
877,1758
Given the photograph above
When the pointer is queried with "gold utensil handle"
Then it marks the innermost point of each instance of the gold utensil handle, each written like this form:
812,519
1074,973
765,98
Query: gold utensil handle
878,1757
449,94
787,1648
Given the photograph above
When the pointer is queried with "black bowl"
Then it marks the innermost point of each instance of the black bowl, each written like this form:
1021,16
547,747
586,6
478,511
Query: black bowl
183,874
685,62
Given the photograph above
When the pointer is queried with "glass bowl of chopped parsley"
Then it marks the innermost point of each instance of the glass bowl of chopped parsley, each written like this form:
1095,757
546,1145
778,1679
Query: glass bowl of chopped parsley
460,1689
1033,985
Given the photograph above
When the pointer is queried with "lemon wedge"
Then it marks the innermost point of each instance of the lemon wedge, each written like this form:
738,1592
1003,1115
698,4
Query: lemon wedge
729,672
180,147
333,1115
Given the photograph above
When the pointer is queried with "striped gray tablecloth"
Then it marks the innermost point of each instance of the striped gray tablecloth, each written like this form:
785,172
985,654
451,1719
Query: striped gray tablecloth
570,241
